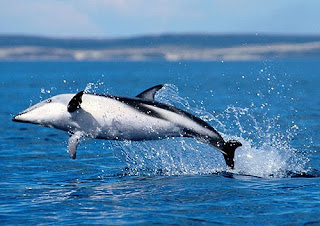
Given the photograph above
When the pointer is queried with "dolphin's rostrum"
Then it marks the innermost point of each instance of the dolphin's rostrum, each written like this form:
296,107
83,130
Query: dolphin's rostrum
122,118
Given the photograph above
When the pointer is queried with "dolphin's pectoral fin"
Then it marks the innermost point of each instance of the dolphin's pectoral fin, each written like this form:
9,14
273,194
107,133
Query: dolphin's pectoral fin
149,93
75,102
73,144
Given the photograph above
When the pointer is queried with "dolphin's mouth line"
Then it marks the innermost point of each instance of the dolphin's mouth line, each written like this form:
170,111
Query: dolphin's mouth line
14,119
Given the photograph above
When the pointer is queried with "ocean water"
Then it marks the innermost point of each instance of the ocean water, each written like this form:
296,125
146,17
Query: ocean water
272,107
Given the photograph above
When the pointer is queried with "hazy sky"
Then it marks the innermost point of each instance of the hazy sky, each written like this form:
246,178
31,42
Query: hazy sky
112,18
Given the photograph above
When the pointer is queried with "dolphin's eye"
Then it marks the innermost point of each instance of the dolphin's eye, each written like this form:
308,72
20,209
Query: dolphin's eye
49,101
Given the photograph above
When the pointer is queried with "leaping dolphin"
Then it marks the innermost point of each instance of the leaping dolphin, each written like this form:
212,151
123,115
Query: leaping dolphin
122,118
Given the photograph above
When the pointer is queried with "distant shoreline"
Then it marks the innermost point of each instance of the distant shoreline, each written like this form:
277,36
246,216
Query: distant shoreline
161,48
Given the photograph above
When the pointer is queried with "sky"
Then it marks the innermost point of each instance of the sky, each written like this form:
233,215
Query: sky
125,18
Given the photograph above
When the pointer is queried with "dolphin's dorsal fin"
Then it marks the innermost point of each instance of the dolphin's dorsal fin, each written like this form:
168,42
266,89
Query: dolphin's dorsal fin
149,93
73,144
75,102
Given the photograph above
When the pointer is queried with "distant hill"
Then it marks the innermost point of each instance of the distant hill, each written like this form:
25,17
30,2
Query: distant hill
170,47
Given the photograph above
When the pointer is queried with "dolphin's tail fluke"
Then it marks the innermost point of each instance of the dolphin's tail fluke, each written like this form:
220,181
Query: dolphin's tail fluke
229,149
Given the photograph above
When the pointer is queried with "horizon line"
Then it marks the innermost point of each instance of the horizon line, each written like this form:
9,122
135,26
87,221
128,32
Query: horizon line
161,34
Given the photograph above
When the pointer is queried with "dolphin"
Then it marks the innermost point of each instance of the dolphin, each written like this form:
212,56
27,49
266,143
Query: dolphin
122,118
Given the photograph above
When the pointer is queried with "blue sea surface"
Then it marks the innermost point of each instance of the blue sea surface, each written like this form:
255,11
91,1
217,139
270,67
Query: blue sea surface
272,107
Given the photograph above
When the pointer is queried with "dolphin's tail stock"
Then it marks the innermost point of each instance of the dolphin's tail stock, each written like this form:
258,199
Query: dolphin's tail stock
229,148
226,148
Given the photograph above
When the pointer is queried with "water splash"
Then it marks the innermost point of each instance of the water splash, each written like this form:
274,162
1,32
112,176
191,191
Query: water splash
268,160
93,87
266,152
